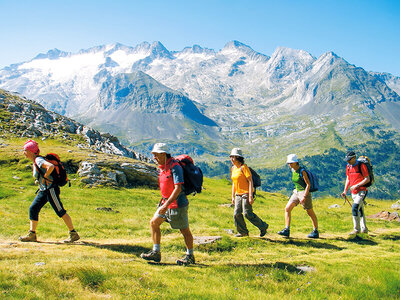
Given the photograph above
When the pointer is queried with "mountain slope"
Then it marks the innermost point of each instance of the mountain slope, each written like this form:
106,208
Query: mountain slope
139,104
269,105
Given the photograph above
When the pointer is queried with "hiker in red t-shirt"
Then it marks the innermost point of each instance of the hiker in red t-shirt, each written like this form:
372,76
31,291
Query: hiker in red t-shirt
357,177
173,207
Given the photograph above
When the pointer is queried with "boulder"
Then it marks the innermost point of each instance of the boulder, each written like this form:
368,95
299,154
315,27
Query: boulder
204,240
88,169
334,206
385,215
396,205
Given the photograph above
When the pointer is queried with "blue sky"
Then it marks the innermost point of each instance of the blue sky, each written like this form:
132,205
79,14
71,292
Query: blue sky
365,33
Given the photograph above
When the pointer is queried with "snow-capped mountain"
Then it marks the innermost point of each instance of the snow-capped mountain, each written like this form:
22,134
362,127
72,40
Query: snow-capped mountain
234,96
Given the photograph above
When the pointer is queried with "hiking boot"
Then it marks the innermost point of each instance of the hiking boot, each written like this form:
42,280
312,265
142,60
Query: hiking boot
284,232
152,255
73,236
30,237
241,234
264,230
188,259
314,234
354,232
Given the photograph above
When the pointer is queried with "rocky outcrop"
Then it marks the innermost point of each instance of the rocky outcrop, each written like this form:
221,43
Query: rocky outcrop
116,174
29,119
386,215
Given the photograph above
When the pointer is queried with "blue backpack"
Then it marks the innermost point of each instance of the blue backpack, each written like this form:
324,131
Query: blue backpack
314,183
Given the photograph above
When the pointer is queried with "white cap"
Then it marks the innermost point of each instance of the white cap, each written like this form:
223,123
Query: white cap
292,158
160,148
236,152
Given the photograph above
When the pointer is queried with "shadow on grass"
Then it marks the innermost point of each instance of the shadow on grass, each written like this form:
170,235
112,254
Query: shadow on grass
274,266
358,240
392,237
123,248
306,243
196,265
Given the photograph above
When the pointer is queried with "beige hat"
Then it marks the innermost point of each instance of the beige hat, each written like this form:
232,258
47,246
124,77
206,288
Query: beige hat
292,158
160,148
236,152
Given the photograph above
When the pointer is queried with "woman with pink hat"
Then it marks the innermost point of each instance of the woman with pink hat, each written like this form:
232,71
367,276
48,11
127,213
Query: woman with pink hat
48,192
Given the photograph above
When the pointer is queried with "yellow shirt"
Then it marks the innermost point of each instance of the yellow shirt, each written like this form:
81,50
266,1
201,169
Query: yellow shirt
240,178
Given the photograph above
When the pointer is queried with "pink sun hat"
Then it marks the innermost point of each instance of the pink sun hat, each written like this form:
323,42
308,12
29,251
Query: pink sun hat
32,146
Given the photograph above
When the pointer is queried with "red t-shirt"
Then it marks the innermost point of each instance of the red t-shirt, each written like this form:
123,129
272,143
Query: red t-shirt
356,173
171,174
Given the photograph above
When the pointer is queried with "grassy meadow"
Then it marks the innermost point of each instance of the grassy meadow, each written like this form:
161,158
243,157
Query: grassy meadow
105,263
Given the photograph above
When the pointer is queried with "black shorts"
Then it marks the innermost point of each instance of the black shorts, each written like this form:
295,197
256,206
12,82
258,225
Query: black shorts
51,195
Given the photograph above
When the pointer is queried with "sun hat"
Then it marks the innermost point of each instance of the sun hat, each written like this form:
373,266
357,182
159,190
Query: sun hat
32,146
349,155
292,158
160,148
236,152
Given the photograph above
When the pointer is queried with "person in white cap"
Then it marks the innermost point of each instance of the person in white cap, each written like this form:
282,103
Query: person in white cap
173,207
242,195
301,194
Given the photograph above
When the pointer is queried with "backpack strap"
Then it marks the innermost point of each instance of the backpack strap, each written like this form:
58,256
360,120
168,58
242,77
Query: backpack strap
38,168
41,174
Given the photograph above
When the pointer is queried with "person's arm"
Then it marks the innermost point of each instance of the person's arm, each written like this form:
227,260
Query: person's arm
233,193
175,193
247,173
361,183
308,185
346,187
366,179
251,188
49,168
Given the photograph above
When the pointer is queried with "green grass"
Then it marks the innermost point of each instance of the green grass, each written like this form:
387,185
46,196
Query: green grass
106,262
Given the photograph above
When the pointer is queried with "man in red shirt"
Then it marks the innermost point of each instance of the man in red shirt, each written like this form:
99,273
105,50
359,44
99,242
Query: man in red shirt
357,177
173,207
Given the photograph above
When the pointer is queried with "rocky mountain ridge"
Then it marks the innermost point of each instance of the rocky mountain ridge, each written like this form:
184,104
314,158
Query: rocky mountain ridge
25,118
266,104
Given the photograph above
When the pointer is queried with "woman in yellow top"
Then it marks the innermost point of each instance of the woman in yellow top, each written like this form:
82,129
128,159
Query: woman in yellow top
242,195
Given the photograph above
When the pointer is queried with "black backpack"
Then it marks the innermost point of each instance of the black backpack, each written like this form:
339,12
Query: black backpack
59,173
192,175
367,162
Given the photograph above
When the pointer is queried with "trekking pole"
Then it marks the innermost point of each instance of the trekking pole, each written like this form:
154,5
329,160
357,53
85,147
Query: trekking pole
345,199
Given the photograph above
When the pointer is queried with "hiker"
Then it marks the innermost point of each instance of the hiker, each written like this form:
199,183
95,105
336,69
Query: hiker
301,194
48,192
243,196
173,207
357,176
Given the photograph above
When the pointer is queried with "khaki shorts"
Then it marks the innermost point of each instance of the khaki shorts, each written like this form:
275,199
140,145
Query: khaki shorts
176,217
297,195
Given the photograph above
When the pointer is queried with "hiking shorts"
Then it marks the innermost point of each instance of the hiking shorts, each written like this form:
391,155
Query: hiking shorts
51,195
176,217
298,195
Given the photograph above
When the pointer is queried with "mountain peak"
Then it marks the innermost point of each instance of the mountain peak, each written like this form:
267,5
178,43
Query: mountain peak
52,54
236,46
158,50
196,49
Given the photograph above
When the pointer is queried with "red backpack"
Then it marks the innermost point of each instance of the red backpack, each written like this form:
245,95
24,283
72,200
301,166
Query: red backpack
59,173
